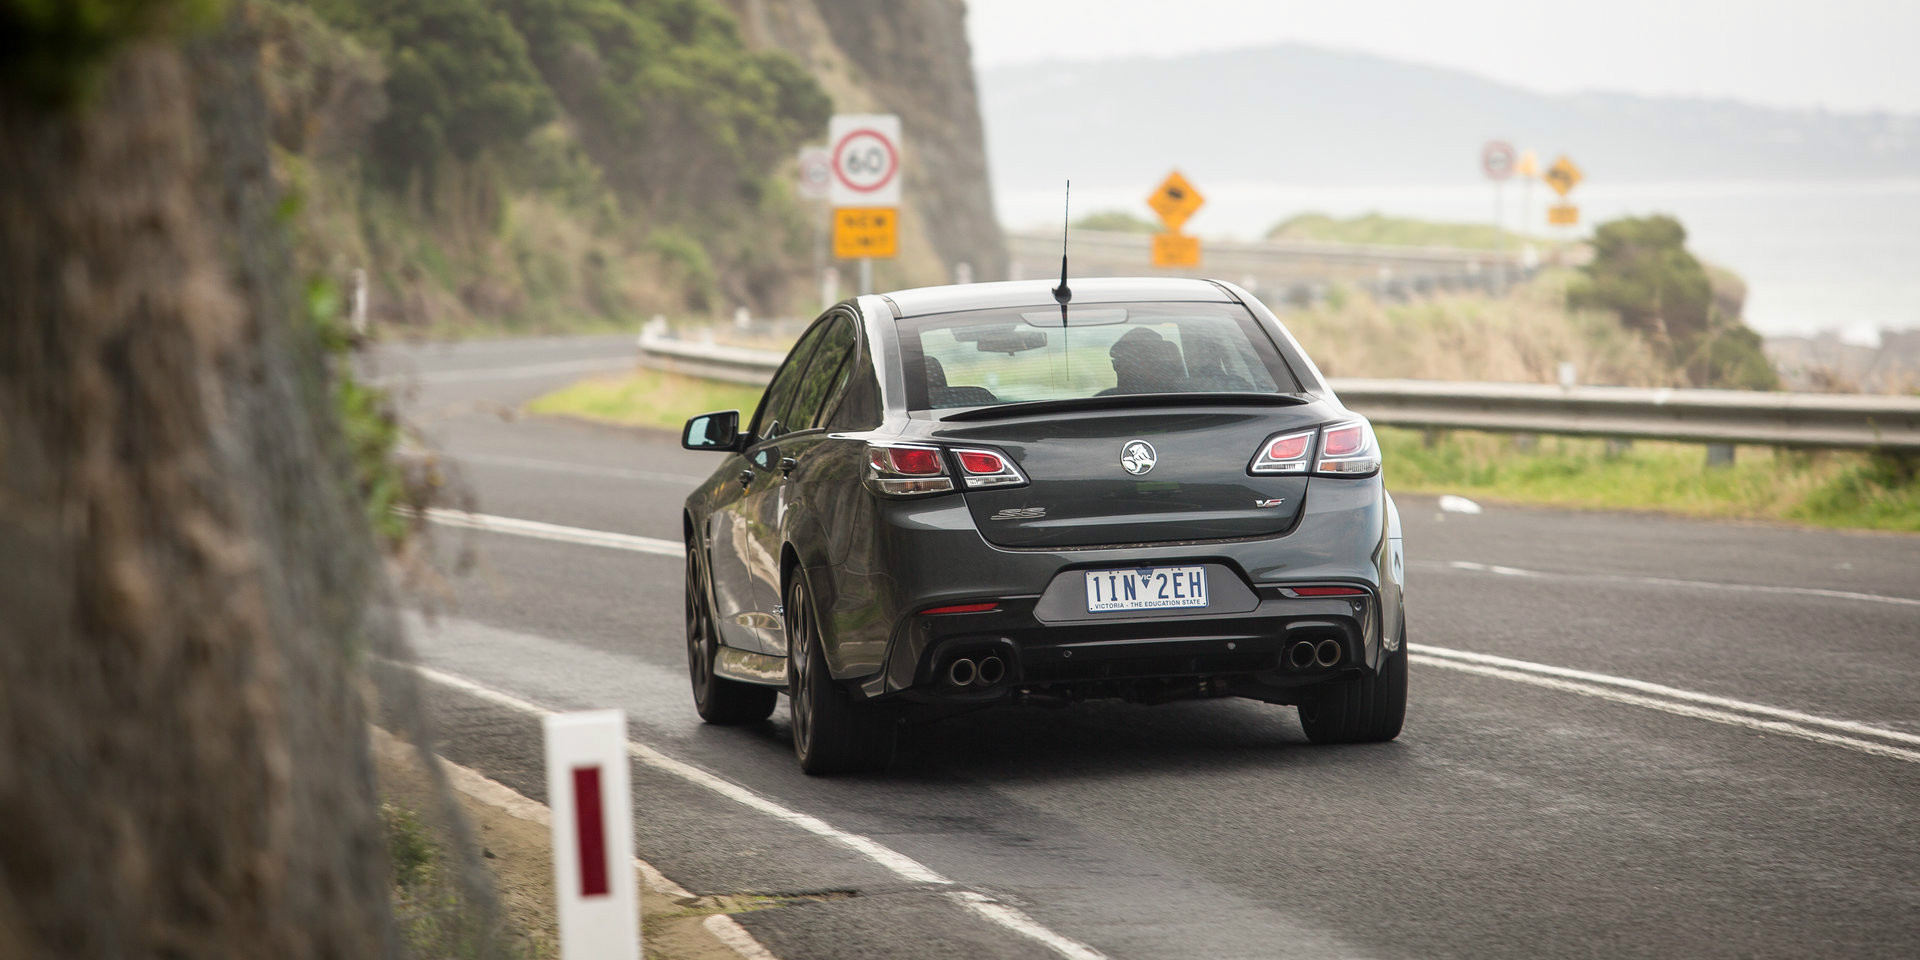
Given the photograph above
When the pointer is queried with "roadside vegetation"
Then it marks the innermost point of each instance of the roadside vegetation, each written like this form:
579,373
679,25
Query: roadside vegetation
507,166
647,398
1378,229
1819,488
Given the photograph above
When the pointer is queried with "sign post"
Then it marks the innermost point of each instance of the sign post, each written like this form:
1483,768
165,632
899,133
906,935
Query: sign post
816,181
1496,161
864,156
588,789
1175,201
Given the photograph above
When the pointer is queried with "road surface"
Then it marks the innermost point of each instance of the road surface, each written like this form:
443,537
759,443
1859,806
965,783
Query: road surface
1628,736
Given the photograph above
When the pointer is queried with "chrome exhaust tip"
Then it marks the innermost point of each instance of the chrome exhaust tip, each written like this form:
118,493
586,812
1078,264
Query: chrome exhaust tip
962,673
1300,655
1328,652
992,670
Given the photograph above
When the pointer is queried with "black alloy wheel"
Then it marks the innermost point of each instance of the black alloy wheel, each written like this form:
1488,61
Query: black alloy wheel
832,732
719,700
1366,709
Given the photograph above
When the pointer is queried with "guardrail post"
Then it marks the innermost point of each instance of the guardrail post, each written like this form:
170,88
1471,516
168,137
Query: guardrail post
1719,455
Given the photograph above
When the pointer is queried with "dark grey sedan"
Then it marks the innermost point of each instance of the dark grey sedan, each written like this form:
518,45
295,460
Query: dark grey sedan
956,497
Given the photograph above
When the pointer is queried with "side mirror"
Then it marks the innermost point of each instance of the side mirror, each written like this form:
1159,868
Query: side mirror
713,431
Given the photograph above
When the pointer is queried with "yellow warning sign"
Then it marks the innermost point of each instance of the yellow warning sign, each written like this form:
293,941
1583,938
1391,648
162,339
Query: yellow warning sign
1529,165
866,232
1175,200
1563,215
1175,250
1563,176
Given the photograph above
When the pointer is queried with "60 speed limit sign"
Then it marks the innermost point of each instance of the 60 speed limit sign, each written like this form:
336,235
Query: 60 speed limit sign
865,153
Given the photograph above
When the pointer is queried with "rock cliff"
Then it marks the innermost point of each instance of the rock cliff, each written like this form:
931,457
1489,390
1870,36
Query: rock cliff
909,57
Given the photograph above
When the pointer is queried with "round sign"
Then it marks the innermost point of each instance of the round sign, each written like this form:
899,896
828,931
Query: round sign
865,161
1496,158
816,172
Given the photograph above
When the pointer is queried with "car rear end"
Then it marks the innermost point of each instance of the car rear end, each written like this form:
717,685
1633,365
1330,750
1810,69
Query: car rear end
1150,544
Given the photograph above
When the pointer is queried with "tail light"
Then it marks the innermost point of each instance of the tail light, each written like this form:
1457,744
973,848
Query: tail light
988,468
1347,449
1287,453
906,470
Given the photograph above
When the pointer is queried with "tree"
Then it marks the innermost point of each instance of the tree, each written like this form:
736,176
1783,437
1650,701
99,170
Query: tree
1642,272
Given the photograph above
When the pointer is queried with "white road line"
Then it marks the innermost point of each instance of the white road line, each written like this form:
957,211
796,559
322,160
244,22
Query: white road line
557,532
1642,686
1675,707
892,861
583,469
523,372
1498,570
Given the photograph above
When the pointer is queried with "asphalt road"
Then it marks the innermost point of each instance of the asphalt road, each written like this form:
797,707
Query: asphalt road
1698,739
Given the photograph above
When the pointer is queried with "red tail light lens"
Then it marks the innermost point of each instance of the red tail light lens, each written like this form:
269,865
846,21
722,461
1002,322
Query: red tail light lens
988,468
1343,441
979,461
915,462
1283,454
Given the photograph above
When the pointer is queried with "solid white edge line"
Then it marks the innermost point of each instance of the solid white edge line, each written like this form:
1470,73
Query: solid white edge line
1681,709
539,530
888,859
1024,925
515,804
1676,693
1494,568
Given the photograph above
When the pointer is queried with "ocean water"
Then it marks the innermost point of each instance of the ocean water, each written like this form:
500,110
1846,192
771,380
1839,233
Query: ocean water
1817,256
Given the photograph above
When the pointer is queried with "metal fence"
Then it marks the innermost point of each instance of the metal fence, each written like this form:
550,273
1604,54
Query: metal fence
1809,420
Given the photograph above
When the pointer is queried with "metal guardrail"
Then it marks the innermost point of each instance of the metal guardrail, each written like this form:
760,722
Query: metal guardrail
1812,420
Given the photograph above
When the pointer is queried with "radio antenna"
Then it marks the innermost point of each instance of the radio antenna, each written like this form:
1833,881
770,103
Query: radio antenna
1064,293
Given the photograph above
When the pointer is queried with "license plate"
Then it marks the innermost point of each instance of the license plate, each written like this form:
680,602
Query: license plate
1146,588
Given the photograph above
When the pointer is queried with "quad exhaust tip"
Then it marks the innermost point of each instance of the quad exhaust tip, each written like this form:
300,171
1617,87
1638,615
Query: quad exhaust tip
962,673
992,670
1328,652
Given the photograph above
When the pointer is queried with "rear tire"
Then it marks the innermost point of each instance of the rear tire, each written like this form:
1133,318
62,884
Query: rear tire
832,731
719,700
1366,709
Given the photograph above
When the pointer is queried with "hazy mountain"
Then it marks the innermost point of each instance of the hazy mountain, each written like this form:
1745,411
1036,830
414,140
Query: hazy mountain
1304,114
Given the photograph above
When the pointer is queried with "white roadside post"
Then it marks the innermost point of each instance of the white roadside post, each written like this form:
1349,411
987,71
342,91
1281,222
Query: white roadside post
1496,161
588,789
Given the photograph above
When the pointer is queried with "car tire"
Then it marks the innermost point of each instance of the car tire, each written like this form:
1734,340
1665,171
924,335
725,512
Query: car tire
719,700
832,731
1367,709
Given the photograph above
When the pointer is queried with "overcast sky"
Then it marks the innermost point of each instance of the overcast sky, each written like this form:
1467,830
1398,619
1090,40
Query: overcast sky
1848,55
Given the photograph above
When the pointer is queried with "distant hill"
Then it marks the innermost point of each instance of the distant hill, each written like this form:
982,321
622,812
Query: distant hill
1303,114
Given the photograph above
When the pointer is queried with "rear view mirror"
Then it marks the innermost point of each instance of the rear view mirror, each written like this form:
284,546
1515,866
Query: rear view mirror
713,431
1011,342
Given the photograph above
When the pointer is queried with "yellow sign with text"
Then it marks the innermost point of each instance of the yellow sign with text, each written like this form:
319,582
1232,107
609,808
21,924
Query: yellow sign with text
1175,250
1175,200
1563,215
872,232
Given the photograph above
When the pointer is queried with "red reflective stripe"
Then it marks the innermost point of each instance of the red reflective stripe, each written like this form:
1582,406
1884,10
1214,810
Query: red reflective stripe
1327,591
591,827
962,608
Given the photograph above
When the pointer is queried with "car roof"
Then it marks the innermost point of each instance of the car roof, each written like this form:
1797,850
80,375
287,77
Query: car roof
922,301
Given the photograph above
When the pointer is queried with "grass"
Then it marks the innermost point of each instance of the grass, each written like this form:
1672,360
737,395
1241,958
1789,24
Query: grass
647,398
1829,488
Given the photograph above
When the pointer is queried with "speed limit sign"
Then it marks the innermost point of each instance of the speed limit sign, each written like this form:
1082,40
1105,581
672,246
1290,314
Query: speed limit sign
864,149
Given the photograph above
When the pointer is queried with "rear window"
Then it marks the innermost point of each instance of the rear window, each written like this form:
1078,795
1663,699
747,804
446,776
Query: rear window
985,357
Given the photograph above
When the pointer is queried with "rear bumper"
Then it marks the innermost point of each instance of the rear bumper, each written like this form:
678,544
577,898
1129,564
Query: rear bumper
1342,538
